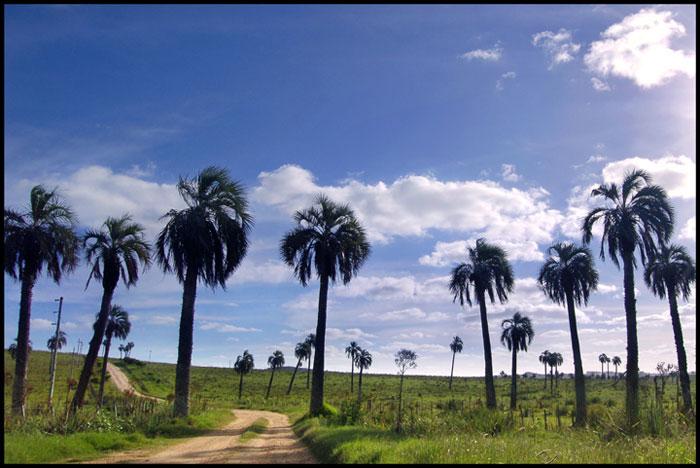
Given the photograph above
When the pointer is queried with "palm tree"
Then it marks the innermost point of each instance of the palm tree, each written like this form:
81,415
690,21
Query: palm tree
404,359
244,364
111,252
635,216
516,336
55,343
351,352
302,351
310,343
207,241
363,360
603,358
488,270
13,349
616,362
554,360
544,359
456,347
671,273
568,277
43,236
127,349
329,240
275,361
118,326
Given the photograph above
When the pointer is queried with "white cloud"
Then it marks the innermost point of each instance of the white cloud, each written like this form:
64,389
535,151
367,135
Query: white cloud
41,324
599,85
270,271
688,231
559,46
606,288
508,173
489,55
225,328
639,48
446,253
676,174
347,334
506,76
596,158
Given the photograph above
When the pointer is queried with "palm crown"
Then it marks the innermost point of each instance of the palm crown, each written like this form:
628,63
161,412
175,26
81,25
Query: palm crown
456,345
634,214
118,324
244,363
276,360
603,358
42,236
555,359
671,268
211,234
544,357
328,239
616,360
57,342
302,350
116,251
569,268
517,332
488,270
363,359
352,350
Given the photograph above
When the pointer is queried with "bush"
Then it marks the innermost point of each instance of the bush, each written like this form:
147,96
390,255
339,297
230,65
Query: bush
349,413
328,410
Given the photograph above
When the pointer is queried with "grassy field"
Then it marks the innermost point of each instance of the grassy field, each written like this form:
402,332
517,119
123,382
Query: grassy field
439,425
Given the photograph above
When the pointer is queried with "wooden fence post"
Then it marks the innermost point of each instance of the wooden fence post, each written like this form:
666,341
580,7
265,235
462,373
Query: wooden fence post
545,419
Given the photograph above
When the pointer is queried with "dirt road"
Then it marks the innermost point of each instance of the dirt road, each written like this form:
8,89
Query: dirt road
121,381
278,444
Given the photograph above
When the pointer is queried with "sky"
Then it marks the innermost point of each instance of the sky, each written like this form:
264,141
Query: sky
437,124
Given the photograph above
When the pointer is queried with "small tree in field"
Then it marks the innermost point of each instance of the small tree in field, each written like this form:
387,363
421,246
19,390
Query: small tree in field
244,364
456,347
301,352
405,359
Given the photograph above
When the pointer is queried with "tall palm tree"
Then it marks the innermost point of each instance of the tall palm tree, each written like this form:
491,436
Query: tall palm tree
118,326
616,362
302,351
363,360
42,236
488,271
310,343
351,352
603,358
329,240
636,216
554,360
275,361
127,349
121,350
671,273
456,347
244,364
114,251
516,336
544,359
205,241
568,277
55,343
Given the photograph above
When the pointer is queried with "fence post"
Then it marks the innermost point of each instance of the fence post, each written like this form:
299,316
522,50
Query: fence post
522,417
545,419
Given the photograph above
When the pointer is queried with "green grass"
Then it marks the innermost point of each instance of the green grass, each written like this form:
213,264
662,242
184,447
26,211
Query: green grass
258,427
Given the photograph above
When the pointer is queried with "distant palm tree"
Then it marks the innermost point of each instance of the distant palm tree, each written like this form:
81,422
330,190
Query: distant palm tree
544,359
121,350
555,360
671,272
456,347
488,270
244,364
118,326
568,277
516,336
205,241
13,349
55,343
302,351
603,358
404,359
363,360
275,361
351,352
616,362
328,240
127,349
43,236
635,216
111,252
310,343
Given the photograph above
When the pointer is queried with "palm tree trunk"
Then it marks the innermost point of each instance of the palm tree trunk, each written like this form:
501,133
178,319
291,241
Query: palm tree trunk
545,376
184,348
632,380
398,417
602,373
556,376
19,386
240,386
680,351
352,373
453,368
308,370
289,390
94,349
269,385
490,389
104,371
317,382
551,379
579,378
608,371
514,380
359,388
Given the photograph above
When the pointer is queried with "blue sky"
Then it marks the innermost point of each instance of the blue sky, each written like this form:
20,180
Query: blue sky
438,124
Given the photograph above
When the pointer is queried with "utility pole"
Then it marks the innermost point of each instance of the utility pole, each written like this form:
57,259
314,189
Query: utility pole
54,351
149,355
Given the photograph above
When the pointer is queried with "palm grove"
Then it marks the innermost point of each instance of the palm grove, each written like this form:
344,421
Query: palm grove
207,241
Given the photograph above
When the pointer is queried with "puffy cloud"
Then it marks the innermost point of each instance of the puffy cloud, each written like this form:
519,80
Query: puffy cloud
413,205
688,231
558,46
347,334
508,173
639,48
489,55
446,253
674,173
225,328
270,271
